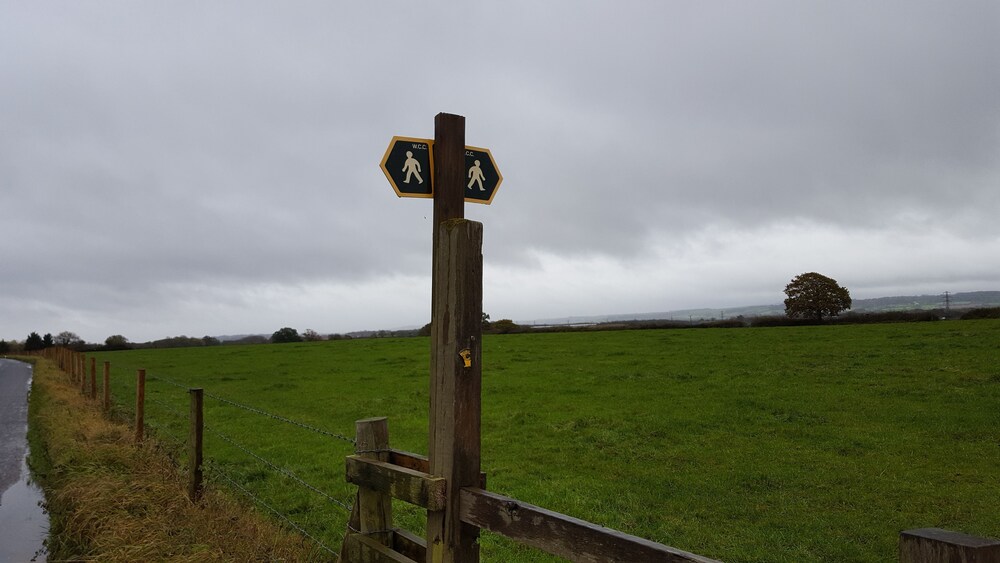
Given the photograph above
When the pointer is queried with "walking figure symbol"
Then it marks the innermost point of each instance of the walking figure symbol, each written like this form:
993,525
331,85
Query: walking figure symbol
476,177
412,168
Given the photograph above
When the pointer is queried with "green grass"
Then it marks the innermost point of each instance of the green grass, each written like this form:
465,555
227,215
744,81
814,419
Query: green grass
768,444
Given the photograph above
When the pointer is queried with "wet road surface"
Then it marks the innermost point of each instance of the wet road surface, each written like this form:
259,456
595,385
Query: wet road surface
23,524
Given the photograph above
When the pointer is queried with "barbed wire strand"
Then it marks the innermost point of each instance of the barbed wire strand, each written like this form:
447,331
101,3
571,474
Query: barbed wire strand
179,444
283,419
279,469
167,380
276,512
255,410
168,407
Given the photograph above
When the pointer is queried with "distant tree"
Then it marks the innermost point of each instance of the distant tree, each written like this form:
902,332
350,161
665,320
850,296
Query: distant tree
814,296
33,342
68,339
284,335
982,313
116,342
486,321
424,330
47,340
4,346
311,335
504,326
210,341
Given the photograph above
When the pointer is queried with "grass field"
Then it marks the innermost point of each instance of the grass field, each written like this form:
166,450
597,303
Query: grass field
767,444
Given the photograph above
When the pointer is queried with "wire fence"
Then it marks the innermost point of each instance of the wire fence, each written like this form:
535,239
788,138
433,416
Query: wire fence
243,467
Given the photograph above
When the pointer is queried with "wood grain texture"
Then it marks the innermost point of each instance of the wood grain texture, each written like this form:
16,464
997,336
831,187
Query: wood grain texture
934,545
374,506
414,487
563,535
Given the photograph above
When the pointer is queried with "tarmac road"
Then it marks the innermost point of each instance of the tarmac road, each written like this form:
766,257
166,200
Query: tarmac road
14,378
24,525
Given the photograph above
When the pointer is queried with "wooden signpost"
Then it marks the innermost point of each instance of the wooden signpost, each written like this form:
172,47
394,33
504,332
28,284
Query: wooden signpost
456,327
445,169
448,483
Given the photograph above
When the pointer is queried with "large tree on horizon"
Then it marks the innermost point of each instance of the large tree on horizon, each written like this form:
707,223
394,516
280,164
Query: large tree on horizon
286,334
813,296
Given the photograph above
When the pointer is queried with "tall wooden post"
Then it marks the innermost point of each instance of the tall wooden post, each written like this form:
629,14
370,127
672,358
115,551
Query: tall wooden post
83,374
140,404
107,387
93,378
456,334
195,437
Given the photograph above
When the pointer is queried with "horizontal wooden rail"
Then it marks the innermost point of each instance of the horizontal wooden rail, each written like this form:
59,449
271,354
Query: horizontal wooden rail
562,535
358,547
420,463
412,486
934,545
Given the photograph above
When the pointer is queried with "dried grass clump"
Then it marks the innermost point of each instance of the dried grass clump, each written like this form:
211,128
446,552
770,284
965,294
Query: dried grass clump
110,500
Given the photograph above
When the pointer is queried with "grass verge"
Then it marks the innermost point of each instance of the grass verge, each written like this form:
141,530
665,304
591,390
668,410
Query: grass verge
109,500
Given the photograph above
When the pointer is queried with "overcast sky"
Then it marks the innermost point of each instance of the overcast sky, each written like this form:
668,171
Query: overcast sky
206,168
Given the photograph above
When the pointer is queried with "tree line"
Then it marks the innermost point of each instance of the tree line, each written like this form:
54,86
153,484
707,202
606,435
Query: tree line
811,298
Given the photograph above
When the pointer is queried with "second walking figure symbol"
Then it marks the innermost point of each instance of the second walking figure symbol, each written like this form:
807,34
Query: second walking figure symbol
476,177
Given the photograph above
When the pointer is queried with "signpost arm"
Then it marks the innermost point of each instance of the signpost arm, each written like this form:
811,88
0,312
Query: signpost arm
456,334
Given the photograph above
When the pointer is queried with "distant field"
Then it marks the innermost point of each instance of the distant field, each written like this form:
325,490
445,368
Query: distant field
766,444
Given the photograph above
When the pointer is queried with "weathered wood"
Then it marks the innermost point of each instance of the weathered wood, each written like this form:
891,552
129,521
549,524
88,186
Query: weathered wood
409,544
93,378
361,548
353,523
410,460
456,331
412,486
140,404
449,171
421,463
195,457
456,296
374,506
934,545
562,535
107,387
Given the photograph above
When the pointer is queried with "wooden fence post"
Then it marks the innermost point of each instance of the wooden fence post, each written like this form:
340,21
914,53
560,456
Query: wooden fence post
107,387
83,373
195,458
933,545
93,378
374,507
140,404
456,334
